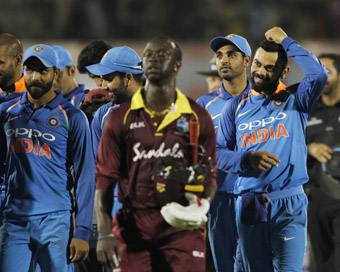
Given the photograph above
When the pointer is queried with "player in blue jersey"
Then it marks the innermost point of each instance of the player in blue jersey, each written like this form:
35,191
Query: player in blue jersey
12,82
66,81
261,138
233,55
122,75
11,79
41,136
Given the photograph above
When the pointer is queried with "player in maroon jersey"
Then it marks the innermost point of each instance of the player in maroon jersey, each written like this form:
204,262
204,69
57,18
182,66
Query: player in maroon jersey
144,147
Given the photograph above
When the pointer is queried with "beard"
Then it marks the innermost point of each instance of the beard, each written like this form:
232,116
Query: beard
37,89
120,94
5,78
268,85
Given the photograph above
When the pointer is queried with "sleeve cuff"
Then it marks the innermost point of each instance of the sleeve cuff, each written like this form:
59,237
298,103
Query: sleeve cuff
82,233
286,42
245,161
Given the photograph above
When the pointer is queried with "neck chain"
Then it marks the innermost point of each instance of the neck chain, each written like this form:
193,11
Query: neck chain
160,113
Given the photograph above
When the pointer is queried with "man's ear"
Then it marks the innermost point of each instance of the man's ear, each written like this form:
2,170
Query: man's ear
247,60
285,72
72,71
56,72
178,65
18,60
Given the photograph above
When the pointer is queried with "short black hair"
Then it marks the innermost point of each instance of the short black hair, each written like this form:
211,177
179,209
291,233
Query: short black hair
334,57
92,54
137,77
270,46
178,51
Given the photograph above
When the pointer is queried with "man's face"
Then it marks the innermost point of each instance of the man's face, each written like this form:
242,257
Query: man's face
7,68
38,78
97,79
230,62
63,81
116,87
265,74
159,60
213,82
333,81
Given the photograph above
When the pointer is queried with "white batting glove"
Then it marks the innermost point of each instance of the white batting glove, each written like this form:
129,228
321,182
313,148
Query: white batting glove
188,217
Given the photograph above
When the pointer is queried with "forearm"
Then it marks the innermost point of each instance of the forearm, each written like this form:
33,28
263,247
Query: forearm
103,207
209,193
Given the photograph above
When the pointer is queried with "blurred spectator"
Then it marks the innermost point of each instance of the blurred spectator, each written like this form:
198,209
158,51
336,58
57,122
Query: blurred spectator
213,79
92,54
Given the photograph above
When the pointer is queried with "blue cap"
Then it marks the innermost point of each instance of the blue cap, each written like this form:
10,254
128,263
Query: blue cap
64,56
44,53
240,42
118,59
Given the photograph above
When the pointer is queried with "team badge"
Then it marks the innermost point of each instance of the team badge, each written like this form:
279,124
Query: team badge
230,36
182,125
38,48
53,122
277,104
160,187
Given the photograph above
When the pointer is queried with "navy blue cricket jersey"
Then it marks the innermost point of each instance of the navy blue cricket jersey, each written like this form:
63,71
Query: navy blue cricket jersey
39,147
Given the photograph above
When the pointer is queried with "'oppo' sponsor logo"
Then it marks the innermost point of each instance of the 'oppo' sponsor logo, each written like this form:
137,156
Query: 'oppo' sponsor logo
30,133
262,123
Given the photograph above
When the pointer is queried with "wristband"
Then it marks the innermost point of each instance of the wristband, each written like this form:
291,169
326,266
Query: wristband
110,235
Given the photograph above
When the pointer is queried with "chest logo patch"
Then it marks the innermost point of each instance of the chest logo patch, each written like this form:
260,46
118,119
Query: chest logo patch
277,104
182,125
137,125
53,122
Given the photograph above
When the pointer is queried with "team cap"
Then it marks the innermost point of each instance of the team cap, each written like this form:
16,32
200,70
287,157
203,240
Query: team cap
118,59
44,53
240,42
64,56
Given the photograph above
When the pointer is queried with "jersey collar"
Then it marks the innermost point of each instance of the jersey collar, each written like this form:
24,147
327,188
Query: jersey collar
76,91
182,106
52,104
20,86
280,87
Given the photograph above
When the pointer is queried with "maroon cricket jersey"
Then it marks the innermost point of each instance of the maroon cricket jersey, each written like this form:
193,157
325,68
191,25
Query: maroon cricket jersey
133,143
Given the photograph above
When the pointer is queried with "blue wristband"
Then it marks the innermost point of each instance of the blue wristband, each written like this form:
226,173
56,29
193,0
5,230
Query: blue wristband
110,235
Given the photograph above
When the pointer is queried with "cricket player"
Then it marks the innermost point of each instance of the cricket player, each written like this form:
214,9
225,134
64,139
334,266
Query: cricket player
262,139
42,136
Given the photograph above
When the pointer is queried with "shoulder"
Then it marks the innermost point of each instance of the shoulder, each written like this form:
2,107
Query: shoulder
71,112
6,105
120,110
198,109
208,97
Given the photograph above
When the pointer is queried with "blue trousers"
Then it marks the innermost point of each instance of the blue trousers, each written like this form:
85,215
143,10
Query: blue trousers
278,244
24,243
223,233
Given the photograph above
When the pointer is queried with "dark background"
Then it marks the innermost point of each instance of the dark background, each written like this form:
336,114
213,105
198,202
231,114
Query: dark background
192,23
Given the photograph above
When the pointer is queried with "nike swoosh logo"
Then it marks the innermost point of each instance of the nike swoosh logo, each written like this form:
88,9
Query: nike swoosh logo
13,118
243,113
215,116
288,238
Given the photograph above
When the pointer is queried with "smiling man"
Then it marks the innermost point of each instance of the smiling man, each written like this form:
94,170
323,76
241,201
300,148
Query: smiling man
41,136
261,138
